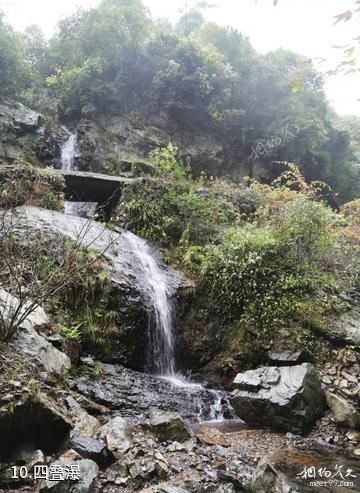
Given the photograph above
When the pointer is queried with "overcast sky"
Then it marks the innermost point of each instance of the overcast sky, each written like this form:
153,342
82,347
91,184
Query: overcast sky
304,26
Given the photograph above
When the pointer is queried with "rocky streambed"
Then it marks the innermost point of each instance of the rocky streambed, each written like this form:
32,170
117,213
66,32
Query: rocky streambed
129,431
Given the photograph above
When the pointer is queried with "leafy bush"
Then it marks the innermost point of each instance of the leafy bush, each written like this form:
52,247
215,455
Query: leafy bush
258,273
165,209
166,164
28,185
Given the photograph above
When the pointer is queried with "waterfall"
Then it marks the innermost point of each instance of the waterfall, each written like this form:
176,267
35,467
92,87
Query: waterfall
136,261
161,346
69,150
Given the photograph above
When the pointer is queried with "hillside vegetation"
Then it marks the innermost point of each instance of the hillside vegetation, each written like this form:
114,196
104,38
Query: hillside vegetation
116,60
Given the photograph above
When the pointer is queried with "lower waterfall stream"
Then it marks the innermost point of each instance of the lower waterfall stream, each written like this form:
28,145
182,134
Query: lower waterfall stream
132,258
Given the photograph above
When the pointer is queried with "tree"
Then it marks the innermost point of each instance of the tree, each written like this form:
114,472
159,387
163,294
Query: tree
15,73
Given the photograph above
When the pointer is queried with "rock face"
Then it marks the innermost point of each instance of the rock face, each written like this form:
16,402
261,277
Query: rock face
129,299
40,422
20,134
116,144
27,340
283,398
343,410
169,426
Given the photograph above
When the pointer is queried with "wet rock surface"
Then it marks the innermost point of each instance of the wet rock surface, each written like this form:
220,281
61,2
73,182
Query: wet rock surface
133,394
283,398
88,471
168,426
129,298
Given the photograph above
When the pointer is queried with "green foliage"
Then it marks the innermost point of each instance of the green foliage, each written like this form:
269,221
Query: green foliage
258,273
166,165
172,207
304,226
15,72
72,333
28,185
197,75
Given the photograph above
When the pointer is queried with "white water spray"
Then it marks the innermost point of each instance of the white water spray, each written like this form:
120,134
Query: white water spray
69,151
161,350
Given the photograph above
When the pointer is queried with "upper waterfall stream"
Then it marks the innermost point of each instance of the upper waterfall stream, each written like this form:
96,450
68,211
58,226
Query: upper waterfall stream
69,152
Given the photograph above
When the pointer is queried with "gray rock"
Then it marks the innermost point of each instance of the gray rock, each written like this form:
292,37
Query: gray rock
134,394
31,457
283,398
282,472
88,473
129,296
169,426
171,489
27,340
226,488
18,131
91,448
117,435
84,424
343,410
289,358
345,329
34,424
268,480
13,114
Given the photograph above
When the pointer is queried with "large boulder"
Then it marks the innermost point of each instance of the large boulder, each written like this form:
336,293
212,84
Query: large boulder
168,426
84,425
134,394
344,330
287,398
20,132
345,413
91,448
28,341
117,435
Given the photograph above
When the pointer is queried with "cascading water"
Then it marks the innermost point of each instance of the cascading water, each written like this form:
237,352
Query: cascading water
161,344
161,353
133,258
69,153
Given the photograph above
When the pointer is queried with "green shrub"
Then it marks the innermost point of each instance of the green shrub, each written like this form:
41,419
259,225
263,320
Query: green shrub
27,185
167,165
258,273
